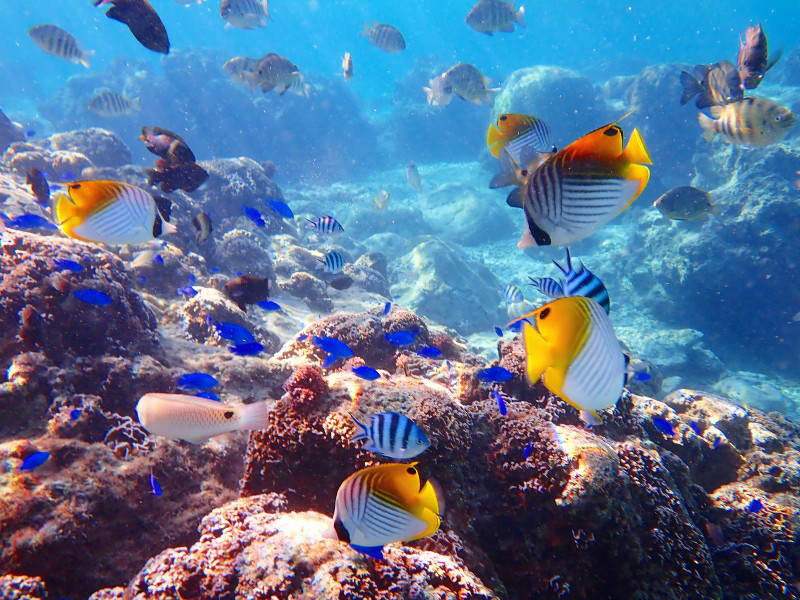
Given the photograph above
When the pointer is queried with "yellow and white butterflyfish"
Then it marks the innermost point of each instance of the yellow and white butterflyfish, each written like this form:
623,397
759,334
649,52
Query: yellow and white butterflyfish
111,212
571,342
383,504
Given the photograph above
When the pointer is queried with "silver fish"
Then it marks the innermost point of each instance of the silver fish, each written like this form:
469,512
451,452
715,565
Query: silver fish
386,37
468,83
58,42
413,176
488,16
244,14
111,104
440,92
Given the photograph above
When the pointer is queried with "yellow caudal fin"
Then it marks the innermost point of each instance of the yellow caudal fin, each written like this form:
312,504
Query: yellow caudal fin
636,151
537,352
492,137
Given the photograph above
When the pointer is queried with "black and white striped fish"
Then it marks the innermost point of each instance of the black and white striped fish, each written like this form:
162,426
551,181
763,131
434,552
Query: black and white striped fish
333,262
577,282
58,42
325,225
512,294
386,37
391,434
111,104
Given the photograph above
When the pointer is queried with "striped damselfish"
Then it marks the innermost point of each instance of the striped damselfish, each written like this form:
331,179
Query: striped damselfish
110,212
391,434
577,190
325,224
572,343
384,504
576,282
333,262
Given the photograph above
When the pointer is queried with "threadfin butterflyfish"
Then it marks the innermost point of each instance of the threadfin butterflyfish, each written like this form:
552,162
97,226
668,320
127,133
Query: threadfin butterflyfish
515,132
571,341
577,190
384,504
111,212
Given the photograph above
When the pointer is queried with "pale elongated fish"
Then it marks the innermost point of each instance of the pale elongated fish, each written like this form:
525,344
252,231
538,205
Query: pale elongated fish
194,419
58,42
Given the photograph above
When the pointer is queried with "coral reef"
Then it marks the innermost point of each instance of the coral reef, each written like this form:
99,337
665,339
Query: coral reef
10,132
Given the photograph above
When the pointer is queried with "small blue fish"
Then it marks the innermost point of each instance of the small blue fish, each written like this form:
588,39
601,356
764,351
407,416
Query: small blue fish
367,373
429,352
68,265
248,349
142,279
74,414
32,461
329,361
238,273
498,331
197,381
158,259
233,332
332,346
401,338
280,207
527,451
642,376
28,221
717,443
187,291
695,427
155,489
67,176
208,396
93,297
495,374
755,506
30,133
517,325
302,337
269,305
255,216
386,308
192,279
664,426
501,404
215,269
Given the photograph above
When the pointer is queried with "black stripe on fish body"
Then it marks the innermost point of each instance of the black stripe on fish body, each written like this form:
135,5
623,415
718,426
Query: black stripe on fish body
393,424
341,530
157,225
377,431
406,435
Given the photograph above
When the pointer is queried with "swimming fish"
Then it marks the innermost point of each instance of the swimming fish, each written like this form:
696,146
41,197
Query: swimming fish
495,374
255,216
749,122
332,346
383,504
94,297
469,84
391,434
753,54
243,70
712,84
247,289
232,332
576,282
66,264
386,37
269,305
572,343
208,396
202,223
143,22
685,203
195,420
579,189
144,259
333,262
695,427
515,132
110,212
501,403
401,338
187,177
528,449
489,16
347,66
755,506
112,104
197,381
429,352
498,331
187,291
39,185
342,282
248,349
155,488
412,174
167,145
280,207
367,373
381,200
33,461
273,71
439,92
75,414
27,221
664,426
58,42
244,14
512,294
325,224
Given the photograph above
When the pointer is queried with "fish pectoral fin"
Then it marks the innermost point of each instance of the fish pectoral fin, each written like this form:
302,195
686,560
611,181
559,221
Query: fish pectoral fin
537,352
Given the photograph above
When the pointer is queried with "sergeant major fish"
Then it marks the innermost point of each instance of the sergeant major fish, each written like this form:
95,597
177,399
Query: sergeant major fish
58,42
489,16
244,14
391,434
386,37
576,282
112,104
749,122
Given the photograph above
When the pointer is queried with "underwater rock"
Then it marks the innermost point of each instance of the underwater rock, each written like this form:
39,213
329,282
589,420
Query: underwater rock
57,163
310,290
250,548
242,250
368,279
236,182
447,287
10,132
101,146
566,100
22,587
375,260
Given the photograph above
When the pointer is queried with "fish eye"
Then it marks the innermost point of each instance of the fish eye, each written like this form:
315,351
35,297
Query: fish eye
610,132
503,118
524,172
544,313
75,186
779,118
411,471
